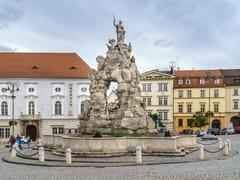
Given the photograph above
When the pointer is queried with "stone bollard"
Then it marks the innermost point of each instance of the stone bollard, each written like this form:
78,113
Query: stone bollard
226,152
39,143
201,152
14,152
68,156
220,143
139,155
229,145
41,154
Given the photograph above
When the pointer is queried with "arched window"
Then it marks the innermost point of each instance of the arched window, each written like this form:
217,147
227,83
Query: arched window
82,107
31,108
4,108
58,108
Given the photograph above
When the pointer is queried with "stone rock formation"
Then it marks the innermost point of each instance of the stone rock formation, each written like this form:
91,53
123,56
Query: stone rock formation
128,112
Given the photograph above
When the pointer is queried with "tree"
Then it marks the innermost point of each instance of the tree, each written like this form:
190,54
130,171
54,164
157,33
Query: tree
199,120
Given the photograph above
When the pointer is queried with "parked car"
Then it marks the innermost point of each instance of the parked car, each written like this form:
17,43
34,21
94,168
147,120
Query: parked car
187,131
201,133
225,131
237,129
213,131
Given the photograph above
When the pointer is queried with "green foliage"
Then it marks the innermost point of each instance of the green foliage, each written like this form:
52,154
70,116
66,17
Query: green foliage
12,122
199,120
209,114
155,117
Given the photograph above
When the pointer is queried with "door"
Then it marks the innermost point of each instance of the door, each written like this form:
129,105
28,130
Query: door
216,124
32,132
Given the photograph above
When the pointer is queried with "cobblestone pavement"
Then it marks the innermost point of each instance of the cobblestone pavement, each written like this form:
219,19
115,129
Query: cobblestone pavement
213,169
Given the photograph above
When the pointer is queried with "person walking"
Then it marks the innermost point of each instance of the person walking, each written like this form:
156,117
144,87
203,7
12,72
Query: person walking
28,141
12,142
19,142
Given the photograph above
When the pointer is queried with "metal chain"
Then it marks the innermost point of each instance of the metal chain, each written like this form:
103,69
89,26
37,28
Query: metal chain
26,154
209,143
214,151
30,147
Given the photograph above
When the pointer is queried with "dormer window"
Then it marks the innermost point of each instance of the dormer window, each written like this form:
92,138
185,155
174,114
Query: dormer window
34,67
4,90
31,89
73,67
188,81
58,89
216,81
202,81
180,81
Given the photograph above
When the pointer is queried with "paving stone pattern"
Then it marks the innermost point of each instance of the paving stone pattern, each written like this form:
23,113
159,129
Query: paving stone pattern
228,168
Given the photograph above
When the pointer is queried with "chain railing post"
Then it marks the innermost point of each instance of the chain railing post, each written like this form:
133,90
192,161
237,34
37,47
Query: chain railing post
201,152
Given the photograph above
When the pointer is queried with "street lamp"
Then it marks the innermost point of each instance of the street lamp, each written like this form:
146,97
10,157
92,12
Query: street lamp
12,88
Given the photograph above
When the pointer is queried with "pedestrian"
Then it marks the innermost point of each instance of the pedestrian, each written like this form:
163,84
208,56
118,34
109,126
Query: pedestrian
28,141
19,142
12,142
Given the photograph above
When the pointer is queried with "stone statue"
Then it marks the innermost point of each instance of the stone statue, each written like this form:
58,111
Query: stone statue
119,30
128,112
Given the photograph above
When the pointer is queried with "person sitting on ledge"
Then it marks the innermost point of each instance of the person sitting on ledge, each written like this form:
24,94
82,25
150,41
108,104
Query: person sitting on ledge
167,134
97,134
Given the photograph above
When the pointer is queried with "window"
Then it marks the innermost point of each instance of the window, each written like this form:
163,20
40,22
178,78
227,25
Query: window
160,101
149,101
180,108
180,81
165,115
180,122
31,108
58,89
4,90
189,122
149,88
188,81
58,108
58,130
235,104
189,108
144,100
216,93
216,81
202,93
83,89
82,107
189,93
202,81
4,132
202,108
4,108
160,115
180,93
165,101
31,89
144,88
165,86
235,92
216,106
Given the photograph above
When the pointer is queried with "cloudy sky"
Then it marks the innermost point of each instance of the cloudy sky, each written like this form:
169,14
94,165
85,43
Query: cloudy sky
201,34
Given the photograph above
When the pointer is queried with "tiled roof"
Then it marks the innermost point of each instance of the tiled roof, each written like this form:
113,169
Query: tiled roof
231,77
198,73
42,65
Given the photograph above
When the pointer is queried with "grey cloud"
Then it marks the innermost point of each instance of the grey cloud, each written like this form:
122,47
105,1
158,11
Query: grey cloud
7,49
163,43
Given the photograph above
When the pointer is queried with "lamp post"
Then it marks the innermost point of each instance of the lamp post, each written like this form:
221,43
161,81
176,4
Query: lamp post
12,88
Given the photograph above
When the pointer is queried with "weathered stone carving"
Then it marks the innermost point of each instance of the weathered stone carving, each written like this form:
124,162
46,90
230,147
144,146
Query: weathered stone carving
128,112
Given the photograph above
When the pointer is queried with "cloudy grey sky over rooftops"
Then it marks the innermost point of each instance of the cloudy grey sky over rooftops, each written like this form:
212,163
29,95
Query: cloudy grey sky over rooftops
202,34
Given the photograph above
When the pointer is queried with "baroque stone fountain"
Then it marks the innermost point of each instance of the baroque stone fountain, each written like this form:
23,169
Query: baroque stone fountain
128,112
126,115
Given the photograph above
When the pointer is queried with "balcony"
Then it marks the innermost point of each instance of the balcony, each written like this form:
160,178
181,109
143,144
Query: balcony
30,117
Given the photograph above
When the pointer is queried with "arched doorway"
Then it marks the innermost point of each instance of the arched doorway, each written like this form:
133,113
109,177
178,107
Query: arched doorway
236,121
216,124
32,132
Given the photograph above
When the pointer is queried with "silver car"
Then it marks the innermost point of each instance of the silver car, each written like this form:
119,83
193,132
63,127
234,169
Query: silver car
227,131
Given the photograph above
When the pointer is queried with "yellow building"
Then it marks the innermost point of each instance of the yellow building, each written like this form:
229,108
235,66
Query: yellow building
157,94
198,90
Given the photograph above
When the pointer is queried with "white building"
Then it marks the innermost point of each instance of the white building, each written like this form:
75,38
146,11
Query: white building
157,93
52,87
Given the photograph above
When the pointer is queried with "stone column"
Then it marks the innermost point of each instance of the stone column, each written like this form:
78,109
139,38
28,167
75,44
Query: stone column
226,152
14,152
220,143
201,152
39,142
41,154
139,155
229,145
68,156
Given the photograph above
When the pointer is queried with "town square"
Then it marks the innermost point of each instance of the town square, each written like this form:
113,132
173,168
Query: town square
96,90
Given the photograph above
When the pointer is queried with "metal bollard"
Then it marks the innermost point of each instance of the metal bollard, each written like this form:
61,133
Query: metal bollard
68,156
139,155
201,152
220,143
229,145
39,142
14,152
226,152
41,154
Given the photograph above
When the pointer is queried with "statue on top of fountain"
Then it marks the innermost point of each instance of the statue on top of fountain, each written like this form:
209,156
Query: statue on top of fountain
128,112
